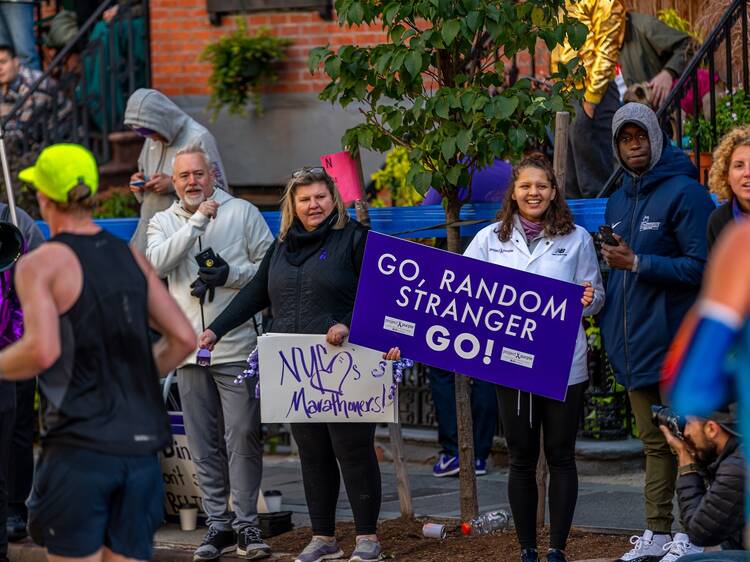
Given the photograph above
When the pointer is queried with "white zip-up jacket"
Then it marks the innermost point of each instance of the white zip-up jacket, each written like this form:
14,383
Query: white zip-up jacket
569,258
239,234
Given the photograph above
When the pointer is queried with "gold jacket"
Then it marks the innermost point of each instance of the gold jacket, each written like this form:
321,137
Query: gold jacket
606,22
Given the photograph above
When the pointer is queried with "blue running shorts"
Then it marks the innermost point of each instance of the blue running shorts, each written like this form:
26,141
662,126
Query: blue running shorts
83,500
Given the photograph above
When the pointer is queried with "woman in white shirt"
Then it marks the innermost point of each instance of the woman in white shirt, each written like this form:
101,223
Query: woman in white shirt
535,233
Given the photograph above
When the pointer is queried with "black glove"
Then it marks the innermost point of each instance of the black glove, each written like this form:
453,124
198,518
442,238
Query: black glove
199,290
216,275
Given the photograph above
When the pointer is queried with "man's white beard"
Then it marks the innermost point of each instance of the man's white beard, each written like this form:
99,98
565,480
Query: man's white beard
193,201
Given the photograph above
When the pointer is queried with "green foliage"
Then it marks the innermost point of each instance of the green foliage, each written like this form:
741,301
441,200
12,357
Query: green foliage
242,63
436,87
731,111
392,179
115,203
671,18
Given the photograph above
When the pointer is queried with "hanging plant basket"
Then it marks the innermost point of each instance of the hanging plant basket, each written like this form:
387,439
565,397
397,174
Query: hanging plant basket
242,63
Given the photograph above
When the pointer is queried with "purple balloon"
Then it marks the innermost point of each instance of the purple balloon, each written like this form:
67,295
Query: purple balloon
488,185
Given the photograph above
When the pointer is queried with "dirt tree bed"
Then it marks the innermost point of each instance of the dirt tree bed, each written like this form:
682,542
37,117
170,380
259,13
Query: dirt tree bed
402,540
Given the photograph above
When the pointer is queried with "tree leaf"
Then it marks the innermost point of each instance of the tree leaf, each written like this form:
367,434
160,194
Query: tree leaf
365,138
422,181
441,108
413,63
448,148
504,106
473,21
537,16
316,57
453,174
463,139
450,30
356,13
517,137
577,34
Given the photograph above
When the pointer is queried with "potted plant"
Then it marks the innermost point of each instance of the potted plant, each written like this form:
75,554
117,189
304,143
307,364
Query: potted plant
731,111
242,63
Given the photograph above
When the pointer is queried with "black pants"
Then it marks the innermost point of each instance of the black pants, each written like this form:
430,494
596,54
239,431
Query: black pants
21,470
321,445
590,159
6,431
559,420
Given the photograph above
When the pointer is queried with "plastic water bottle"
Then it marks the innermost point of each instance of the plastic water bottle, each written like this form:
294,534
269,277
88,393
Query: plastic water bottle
487,523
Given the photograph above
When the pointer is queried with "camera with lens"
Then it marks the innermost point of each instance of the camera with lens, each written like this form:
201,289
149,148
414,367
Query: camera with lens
663,415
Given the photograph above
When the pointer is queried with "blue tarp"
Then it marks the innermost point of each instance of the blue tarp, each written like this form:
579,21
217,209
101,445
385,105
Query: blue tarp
407,222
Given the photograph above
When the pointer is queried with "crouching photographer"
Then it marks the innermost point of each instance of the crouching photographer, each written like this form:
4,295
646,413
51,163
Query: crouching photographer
710,482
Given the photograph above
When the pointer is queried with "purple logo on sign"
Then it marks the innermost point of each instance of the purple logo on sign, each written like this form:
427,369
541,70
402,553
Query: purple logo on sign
494,323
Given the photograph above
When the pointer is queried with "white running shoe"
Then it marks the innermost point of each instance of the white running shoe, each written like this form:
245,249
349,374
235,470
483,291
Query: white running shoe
680,546
648,548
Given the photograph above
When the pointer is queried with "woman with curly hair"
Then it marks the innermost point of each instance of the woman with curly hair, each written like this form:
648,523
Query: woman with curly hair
535,233
729,179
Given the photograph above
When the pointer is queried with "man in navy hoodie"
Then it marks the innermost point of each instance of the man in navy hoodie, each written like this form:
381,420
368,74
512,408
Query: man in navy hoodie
659,217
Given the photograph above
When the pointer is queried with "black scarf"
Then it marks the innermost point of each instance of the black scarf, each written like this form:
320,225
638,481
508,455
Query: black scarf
301,243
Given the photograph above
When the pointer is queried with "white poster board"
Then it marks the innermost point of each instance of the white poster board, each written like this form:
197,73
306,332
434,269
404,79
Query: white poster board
304,379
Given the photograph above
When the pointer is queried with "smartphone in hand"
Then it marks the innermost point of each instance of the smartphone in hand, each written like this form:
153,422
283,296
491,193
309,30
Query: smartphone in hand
607,235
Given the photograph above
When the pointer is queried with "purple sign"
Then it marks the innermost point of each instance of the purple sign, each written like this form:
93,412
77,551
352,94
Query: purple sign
494,323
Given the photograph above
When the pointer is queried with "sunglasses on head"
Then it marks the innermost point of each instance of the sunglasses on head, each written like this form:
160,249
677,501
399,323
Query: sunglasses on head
311,170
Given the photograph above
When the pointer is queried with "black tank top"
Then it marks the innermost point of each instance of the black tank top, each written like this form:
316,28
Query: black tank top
103,392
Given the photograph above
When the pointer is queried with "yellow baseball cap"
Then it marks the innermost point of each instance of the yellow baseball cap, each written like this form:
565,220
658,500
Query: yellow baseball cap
60,168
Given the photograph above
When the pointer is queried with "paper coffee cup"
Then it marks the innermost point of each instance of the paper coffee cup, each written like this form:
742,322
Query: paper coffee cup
188,518
273,500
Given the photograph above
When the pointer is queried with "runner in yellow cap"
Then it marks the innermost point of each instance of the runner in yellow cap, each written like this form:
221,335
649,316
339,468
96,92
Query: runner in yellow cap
88,301
64,173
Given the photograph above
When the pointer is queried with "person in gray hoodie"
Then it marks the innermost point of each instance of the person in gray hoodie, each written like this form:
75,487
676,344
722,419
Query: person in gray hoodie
167,129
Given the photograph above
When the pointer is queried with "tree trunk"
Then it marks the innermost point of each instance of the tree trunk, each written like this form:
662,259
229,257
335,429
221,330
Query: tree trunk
467,477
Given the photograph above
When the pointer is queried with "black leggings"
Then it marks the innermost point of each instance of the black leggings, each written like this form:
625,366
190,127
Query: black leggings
353,446
560,423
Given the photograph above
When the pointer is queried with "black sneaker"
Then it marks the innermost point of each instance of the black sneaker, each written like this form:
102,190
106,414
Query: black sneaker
529,555
214,544
250,544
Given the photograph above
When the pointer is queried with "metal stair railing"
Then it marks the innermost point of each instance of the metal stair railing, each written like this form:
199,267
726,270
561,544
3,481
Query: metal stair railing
84,113
736,14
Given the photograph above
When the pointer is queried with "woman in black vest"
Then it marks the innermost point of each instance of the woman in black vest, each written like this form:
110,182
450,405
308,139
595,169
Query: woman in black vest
729,179
309,280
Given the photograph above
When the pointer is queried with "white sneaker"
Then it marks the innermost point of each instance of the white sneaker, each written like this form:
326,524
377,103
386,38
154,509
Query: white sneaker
648,548
679,546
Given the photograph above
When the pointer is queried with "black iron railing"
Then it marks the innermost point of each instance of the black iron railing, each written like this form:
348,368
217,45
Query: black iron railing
83,101
728,40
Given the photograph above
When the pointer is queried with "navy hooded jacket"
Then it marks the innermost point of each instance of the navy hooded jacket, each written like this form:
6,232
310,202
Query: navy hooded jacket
662,214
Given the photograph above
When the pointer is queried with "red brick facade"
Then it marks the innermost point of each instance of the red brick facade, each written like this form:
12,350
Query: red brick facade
180,29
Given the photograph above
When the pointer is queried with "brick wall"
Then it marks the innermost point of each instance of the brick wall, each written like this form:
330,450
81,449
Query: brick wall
180,30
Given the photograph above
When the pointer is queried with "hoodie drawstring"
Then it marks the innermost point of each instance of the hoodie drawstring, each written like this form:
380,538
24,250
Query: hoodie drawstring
531,408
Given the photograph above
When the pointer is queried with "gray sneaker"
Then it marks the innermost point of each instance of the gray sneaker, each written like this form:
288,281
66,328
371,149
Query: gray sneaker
250,544
318,550
214,544
366,551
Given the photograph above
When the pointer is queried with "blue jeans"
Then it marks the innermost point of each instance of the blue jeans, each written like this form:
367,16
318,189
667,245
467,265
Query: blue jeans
483,412
722,556
17,29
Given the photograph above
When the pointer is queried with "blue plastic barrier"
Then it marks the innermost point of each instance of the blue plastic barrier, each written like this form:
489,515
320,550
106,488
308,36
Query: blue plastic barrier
407,222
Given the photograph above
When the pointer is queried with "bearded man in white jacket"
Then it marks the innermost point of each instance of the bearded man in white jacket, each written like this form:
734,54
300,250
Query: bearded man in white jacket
230,238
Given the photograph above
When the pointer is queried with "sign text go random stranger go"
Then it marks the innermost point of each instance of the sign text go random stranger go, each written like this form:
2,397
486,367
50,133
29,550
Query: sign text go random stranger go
494,323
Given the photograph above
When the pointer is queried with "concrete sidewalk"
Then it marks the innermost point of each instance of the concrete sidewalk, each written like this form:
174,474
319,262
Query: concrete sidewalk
612,504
